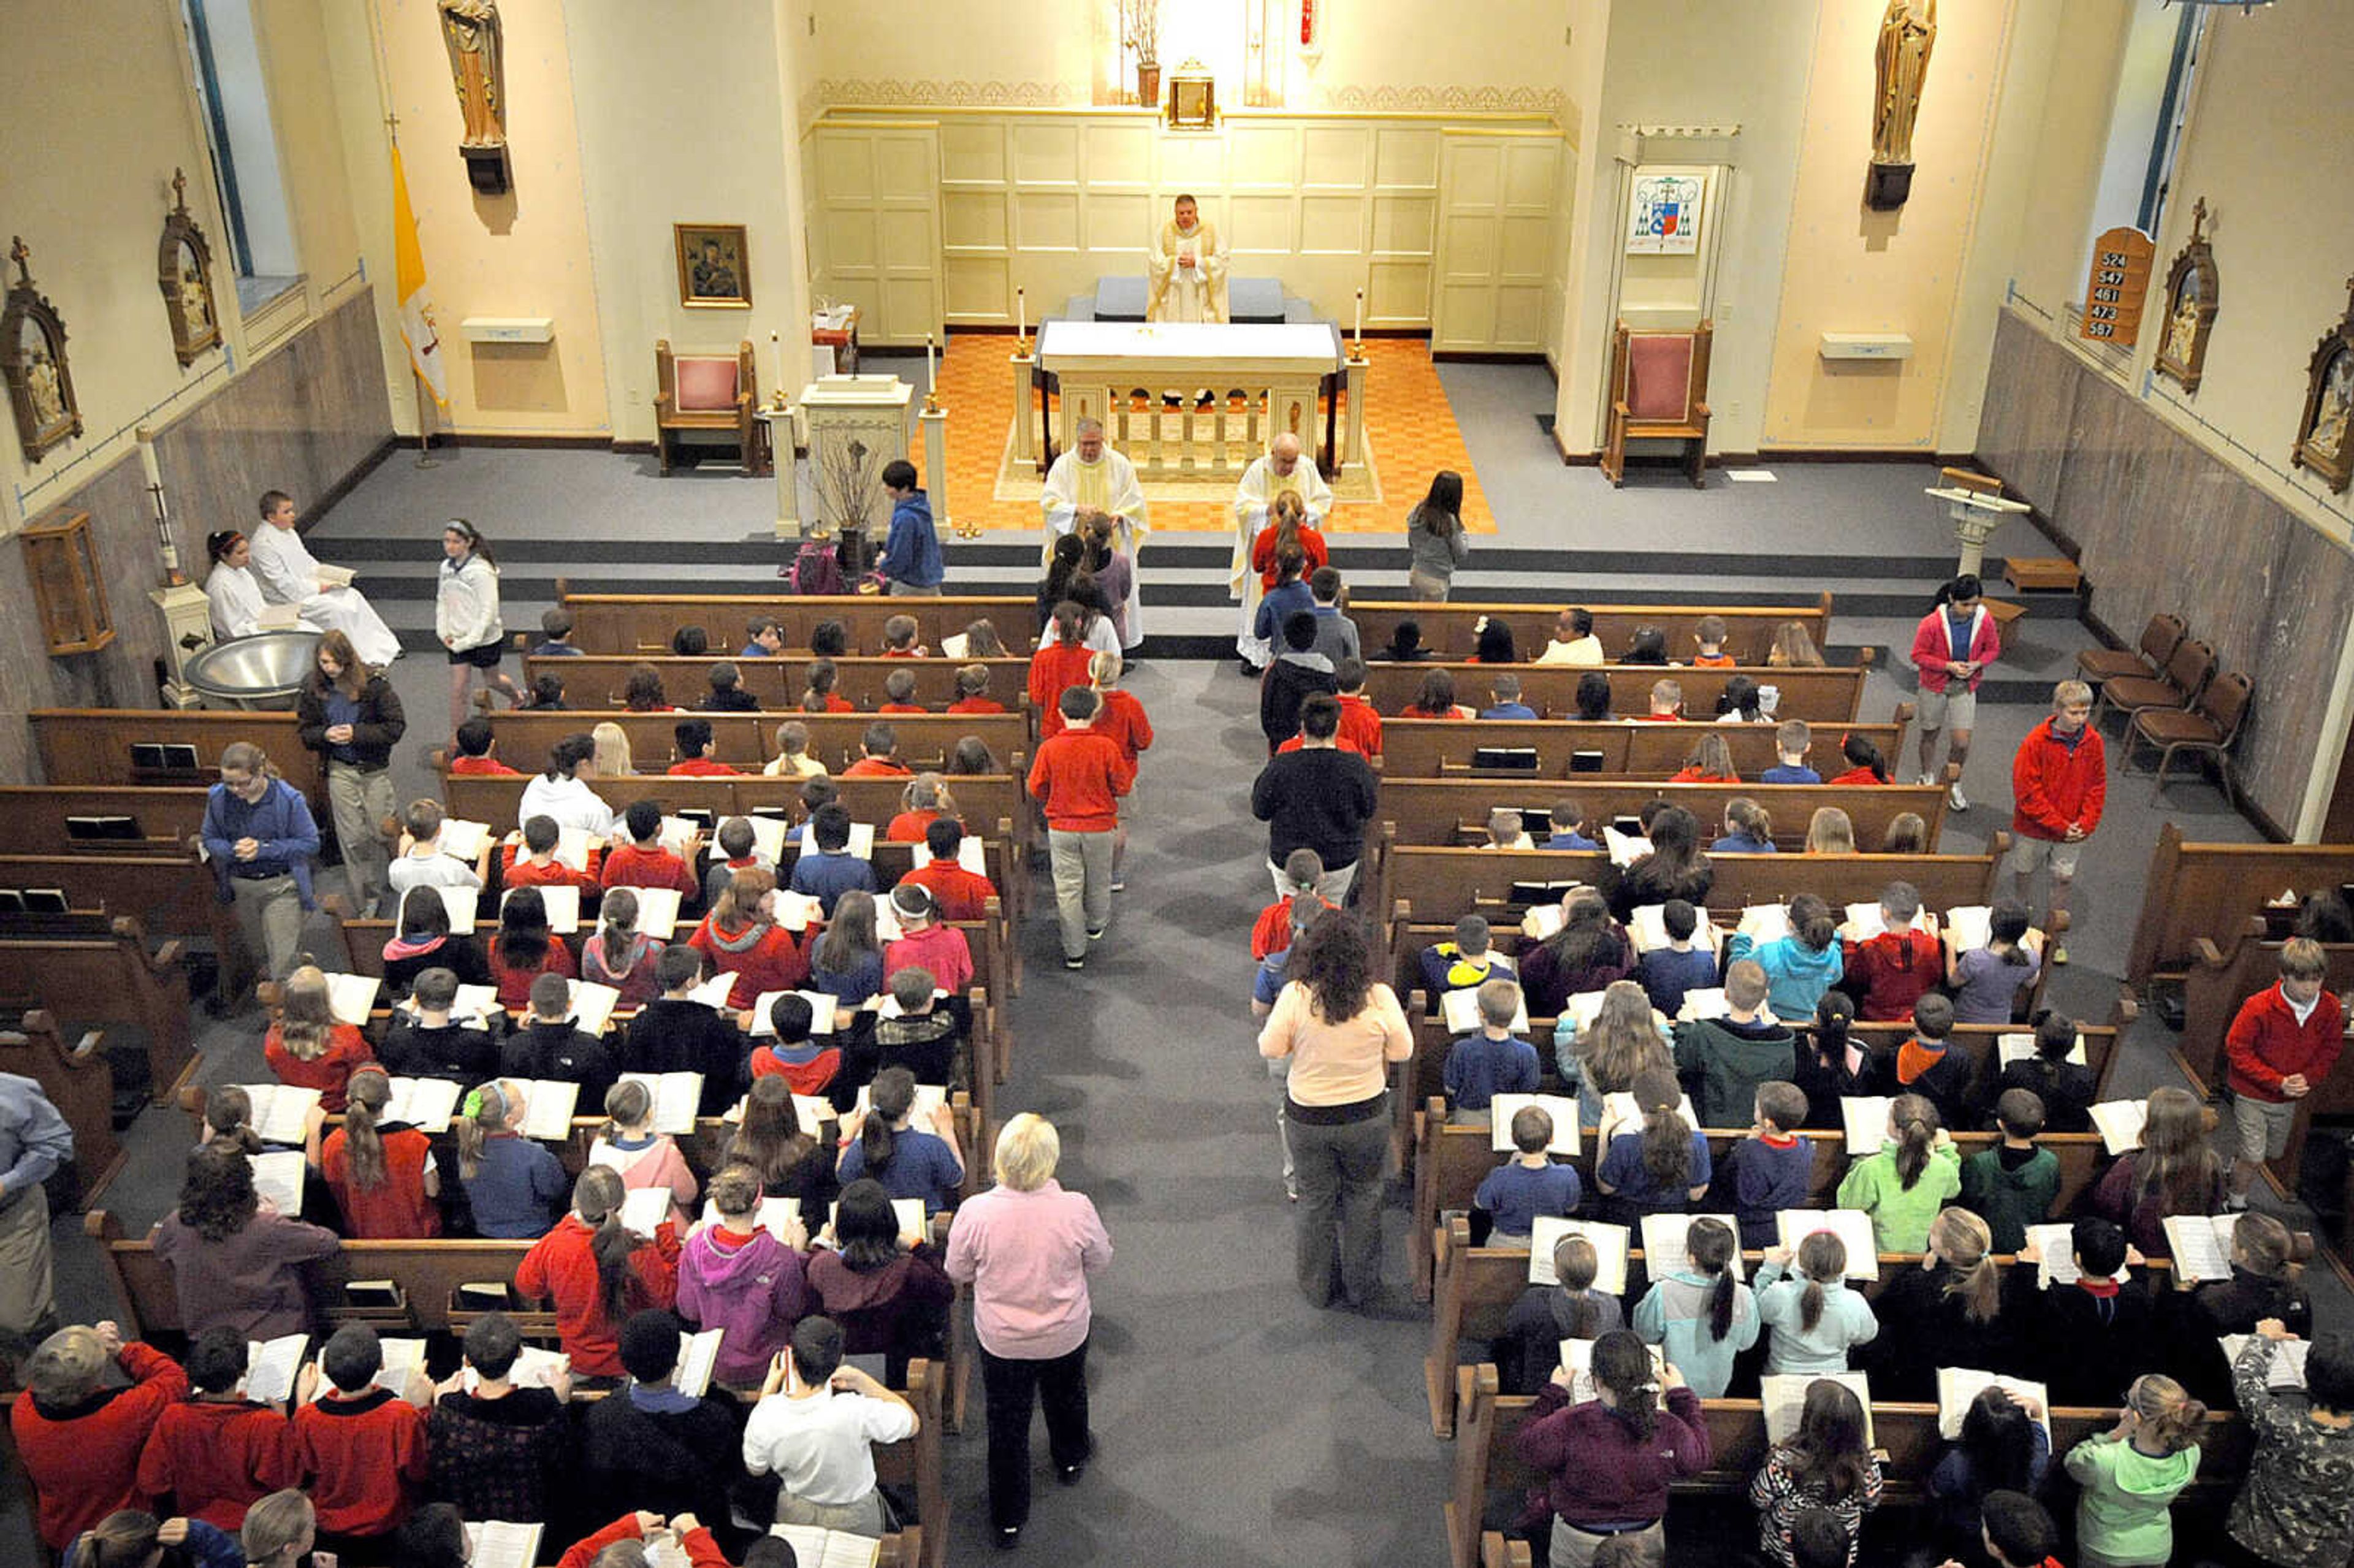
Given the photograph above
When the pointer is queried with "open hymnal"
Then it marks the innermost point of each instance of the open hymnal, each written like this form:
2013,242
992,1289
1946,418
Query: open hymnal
278,618
1958,1386
465,840
548,1105
885,1005
1543,920
677,833
907,1212
1864,921
2009,1048
478,1002
1702,1002
824,1009
1785,1401
676,1096
278,1177
534,1368
271,1366
971,854
816,1548
1763,923
2056,1247
1865,1118
861,841
332,577
281,1112
886,922
1621,1107
502,1543
401,1357
1503,1108
956,645
1577,1355
464,906
2287,1369
714,991
775,1215
561,902
794,911
643,1210
350,997
696,1354
572,847
814,1111
1625,849
929,1098
767,837
593,1005
1460,1009
1853,1226
425,1104
1610,1244
1582,1009
1649,928
658,912
1970,926
2201,1245
1663,1241
2119,1123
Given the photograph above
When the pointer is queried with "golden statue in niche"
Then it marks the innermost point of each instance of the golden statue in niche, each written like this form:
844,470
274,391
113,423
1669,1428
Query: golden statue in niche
1908,31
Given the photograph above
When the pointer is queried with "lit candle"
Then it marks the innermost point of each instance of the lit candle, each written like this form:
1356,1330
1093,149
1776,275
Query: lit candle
931,376
778,343
1021,318
1361,315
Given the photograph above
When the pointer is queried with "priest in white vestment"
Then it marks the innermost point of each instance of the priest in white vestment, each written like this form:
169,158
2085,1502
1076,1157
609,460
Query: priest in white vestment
1283,468
1189,270
1092,478
290,574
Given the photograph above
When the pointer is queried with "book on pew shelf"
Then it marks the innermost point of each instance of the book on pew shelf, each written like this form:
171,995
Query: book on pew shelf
386,1293
955,644
861,841
816,1548
657,912
824,1006
1865,1118
2119,1123
1703,1002
1853,1226
572,847
643,1210
1784,1398
1563,1109
350,997
2009,1048
401,1357
534,1368
1763,923
1544,920
713,990
775,1215
1864,921
271,1366
333,577
562,904
103,827
676,1097
1620,1108
971,854
425,1104
1535,821
677,833
593,1005
794,911
2287,1371
1584,761
1625,848
705,820
2056,1245
548,1107
1525,892
929,1098
483,1296
2201,1245
281,1112
465,840
1663,1241
883,1004
1577,1355
278,618
767,838
464,905
1610,1244
1971,925
696,1355
502,1543
1460,1009
1509,759
1958,1386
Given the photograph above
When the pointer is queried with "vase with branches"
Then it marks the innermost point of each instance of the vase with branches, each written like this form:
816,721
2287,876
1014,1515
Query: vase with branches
845,476
1139,33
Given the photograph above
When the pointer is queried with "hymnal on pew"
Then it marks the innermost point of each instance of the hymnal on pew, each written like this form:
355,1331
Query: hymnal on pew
1610,1244
1958,1386
676,1096
1853,1226
1505,759
1563,1109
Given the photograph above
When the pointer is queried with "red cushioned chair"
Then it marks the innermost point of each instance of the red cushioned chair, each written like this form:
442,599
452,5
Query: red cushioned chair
707,393
1659,390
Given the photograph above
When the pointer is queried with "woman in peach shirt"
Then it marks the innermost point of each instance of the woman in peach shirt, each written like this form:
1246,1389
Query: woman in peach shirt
1340,1029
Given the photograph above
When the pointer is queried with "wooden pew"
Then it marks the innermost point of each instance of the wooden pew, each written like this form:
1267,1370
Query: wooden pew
92,966
1430,748
1448,628
1486,1463
1823,696
748,741
2197,890
599,679
79,1082
163,819
2212,992
172,894
1438,811
93,746
637,624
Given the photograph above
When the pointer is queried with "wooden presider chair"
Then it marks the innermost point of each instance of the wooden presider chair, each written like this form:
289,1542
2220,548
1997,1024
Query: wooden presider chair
707,393
1659,389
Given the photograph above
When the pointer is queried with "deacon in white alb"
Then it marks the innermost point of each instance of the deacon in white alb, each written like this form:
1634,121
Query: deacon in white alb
1189,270
290,575
1283,468
1092,478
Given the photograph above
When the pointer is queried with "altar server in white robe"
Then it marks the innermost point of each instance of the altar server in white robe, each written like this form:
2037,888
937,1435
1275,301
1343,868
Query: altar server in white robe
1283,468
1189,270
289,574
235,593
1091,478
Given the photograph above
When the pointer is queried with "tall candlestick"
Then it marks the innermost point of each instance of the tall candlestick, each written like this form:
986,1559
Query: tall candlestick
1361,316
778,343
1021,320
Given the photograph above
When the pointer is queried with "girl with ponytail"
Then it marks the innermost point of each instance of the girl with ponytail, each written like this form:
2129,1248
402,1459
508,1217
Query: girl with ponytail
598,1273
1911,1175
2264,1283
1824,1464
1814,1316
1800,967
1952,1305
1661,1167
1609,1462
382,1175
629,1145
1699,1314
511,1183
2132,1474
1569,1308
305,1045
908,1161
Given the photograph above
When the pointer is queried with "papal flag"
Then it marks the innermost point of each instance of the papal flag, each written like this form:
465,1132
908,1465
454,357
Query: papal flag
417,328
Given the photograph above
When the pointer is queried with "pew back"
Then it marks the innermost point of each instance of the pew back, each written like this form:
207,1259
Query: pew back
749,740
164,747
637,624
1425,748
2197,890
1449,629
599,679
1823,696
1437,810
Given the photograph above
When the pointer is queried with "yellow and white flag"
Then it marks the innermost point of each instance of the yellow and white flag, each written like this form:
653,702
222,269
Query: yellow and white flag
417,328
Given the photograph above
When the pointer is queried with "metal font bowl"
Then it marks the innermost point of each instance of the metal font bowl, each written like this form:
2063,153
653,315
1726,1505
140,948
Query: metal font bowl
261,672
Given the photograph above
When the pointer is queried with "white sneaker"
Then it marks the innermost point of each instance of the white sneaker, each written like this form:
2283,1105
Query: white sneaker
1925,778
1956,799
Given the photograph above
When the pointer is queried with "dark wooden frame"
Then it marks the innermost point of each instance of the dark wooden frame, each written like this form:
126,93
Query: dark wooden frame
26,303
686,237
2194,265
2334,462
189,339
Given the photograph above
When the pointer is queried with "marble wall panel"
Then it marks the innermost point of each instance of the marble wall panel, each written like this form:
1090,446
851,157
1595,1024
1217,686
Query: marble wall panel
2023,427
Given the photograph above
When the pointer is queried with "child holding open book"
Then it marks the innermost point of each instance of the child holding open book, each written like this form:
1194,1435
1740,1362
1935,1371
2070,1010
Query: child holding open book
362,1447
382,1175
739,1277
1545,1314
1903,1183
2065,1088
2132,1474
2014,1185
1824,1464
306,1047
1528,1183
2087,1336
1491,1062
1814,1318
1699,1314
596,1273
2175,1171
499,1448
643,1157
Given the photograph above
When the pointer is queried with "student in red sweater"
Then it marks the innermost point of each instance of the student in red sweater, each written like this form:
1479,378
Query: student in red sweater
692,739
2281,1047
360,1447
819,697
899,694
537,867
644,862
217,1454
305,1045
81,1441
693,1537
924,801
1271,932
1060,664
1888,974
525,949
2058,783
598,1273
475,746
1864,763
1361,722
972,692
384,1177
878,754
1122,718
740,937
793,1054
1077,781
925,942
1609,1460
961,895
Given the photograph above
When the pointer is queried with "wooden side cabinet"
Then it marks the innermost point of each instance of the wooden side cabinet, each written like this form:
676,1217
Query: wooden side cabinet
62,558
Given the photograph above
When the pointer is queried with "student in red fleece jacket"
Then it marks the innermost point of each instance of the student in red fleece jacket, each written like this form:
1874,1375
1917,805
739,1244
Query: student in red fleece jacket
961,895
1888,974
1361,722
692,739
643,862
305,1045
925,942
1271,932
2281,1048
702,1551
81,1442
972,689
2058,783
878,754
362,1447
217,1454
1077,781
1060,664
1122,718
1609,1460
598,1273
475,743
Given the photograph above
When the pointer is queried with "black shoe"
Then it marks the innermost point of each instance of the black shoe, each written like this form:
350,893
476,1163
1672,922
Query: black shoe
1251,670
1070,1474
1095,934
1008,1537
1074,963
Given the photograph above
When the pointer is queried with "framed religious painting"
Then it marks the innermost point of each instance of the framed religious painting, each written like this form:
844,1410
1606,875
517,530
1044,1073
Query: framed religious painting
184,270
2324,436
32,363
713,272
2193,291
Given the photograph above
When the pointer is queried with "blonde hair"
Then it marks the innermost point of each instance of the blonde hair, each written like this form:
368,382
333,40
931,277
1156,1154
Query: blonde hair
1621,1040
1828,831
1103,668
611,758
2170,1417
275,1523
68,1365
1967,1245
1794,647
482,1112
304,1020
1028,1150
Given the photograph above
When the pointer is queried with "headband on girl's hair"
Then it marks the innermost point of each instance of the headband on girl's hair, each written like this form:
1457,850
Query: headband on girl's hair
460,526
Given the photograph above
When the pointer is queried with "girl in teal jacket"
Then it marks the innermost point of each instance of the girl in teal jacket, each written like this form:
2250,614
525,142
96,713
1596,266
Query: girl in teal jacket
2132,1474
1701,1314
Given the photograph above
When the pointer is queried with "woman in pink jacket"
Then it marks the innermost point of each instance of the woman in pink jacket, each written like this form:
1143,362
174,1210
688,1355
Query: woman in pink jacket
1951,649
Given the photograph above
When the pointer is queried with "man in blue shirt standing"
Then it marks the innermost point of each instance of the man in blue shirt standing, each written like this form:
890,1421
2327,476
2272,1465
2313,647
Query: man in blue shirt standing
33,1141
261,839
911,552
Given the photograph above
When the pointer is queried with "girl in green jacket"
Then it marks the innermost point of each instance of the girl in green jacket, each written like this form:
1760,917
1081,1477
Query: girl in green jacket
1912,1176
2132,1474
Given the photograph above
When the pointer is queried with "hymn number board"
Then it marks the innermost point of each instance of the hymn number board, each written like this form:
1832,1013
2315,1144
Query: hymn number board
2122,258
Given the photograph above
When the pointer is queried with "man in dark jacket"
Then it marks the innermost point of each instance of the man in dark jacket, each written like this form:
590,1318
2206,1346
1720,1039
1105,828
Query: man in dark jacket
911,552
1298,673
1317,797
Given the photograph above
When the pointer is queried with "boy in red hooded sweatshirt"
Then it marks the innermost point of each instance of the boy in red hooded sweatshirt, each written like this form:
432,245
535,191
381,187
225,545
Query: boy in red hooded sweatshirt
2280,1049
